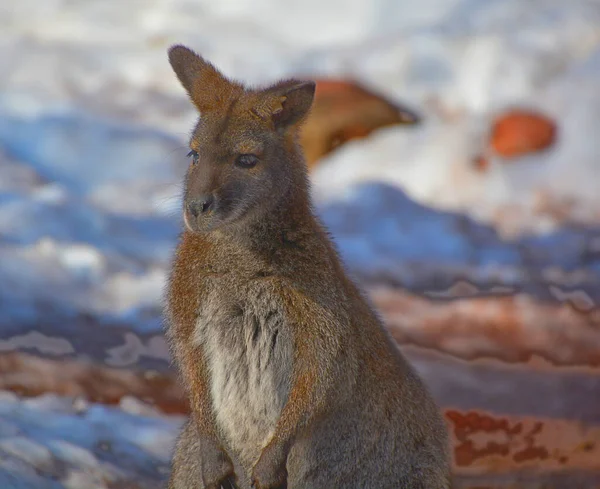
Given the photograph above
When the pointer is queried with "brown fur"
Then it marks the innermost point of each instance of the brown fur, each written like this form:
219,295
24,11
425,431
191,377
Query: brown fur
293,381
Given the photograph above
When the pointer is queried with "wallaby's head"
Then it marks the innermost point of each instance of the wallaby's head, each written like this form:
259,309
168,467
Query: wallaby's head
245,159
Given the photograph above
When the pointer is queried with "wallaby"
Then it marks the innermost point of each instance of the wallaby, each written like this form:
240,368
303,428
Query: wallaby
292,379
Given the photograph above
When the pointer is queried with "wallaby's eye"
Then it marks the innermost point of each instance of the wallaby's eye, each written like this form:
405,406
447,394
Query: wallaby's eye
246,161
194,155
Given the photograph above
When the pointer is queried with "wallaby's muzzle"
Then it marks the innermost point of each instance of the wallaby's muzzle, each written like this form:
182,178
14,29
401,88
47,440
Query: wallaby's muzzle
199,212
202,205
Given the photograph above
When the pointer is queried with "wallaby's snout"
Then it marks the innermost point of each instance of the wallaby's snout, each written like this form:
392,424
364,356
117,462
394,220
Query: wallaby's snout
201,210
200,205
197,209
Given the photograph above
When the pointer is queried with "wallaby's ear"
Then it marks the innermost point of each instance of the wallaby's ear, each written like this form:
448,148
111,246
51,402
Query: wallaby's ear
205,85
294,101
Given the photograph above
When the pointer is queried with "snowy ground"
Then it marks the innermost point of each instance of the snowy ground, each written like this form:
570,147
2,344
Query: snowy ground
93,140
93,124
50,442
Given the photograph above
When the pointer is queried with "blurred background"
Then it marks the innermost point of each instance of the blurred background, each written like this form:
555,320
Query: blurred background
454,150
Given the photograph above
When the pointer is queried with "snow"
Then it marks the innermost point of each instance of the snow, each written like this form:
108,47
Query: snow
87,228
93,129
46,442
415,246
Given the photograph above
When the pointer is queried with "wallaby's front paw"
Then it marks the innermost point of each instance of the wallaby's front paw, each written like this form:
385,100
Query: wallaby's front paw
270,471
217,467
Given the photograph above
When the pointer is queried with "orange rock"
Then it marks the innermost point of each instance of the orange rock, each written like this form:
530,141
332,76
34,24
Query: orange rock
343,111
519,132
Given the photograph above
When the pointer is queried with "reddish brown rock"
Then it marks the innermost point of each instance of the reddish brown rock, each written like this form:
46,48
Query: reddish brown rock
522,452
519,132
485,442
343,111
30,376
512,328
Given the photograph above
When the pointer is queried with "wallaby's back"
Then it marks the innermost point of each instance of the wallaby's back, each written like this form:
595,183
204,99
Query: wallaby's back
293,380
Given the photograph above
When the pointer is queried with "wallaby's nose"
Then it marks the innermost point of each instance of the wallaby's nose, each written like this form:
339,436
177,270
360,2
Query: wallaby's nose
202,204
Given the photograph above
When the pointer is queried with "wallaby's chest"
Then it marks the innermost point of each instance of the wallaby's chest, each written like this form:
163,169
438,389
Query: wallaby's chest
248,350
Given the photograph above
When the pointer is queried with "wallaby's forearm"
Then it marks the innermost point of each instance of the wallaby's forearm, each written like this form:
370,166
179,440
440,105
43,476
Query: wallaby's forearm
306,399
195,373
312,373
314,370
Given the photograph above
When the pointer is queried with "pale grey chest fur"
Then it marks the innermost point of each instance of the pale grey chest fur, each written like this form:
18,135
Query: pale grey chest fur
248,352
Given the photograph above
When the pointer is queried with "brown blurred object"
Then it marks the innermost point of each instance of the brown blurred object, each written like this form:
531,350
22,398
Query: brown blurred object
481,163
518,132
344,110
